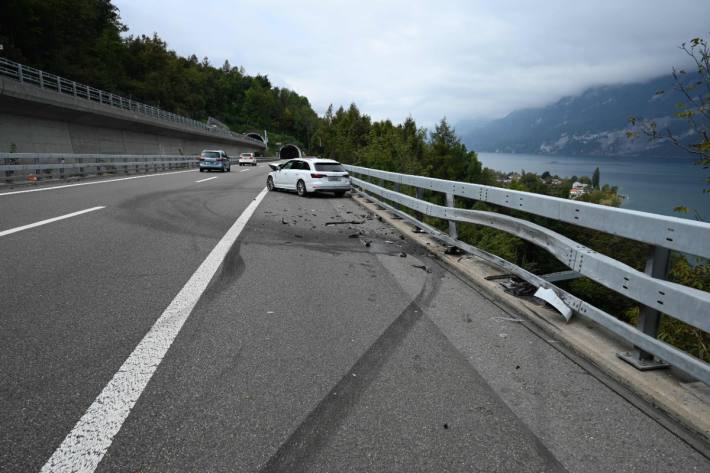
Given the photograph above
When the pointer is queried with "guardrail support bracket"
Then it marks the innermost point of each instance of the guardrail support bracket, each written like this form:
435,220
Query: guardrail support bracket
649,319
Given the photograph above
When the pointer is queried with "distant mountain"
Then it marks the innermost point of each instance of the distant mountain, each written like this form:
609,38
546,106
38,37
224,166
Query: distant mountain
592,123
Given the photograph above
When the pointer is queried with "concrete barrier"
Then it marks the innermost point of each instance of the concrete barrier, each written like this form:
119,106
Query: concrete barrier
40,120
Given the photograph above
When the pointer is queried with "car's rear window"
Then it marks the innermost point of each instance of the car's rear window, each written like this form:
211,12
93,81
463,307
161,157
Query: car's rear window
210,154
332,167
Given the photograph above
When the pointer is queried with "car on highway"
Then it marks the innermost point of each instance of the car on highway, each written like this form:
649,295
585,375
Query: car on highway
247,159
308,175
214,159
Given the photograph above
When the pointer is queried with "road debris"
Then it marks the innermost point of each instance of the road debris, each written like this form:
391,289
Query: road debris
453,250
344,222
422,267
283,220
507,319
403,255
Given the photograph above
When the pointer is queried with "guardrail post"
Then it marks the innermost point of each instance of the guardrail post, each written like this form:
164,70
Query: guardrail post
19,73
453,232
398,189
41,80
419,194
657,265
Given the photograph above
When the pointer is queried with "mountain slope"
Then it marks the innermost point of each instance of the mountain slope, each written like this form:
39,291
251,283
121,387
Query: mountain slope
592,123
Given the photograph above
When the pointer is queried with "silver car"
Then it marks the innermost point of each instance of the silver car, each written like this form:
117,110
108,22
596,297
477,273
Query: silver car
214,159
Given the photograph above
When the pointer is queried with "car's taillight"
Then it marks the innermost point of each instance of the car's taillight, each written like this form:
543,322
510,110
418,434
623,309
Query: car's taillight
220,159
316,175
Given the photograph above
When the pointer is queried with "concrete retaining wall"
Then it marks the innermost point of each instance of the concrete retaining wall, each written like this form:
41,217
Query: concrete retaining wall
35,120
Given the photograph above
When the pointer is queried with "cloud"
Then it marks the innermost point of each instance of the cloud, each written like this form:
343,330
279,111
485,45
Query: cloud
460,59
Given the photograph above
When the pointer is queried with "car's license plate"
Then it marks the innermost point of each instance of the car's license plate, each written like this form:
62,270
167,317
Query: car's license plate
333,178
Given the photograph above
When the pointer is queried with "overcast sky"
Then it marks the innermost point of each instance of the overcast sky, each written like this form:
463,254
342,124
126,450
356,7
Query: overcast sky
464,59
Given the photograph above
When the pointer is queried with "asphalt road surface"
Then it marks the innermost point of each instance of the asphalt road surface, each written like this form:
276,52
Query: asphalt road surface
167,325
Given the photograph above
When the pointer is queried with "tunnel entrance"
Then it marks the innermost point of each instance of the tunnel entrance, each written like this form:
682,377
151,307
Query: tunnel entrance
255,136
290,152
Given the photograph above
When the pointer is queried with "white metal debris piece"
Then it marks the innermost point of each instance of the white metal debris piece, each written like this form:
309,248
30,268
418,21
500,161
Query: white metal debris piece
549,296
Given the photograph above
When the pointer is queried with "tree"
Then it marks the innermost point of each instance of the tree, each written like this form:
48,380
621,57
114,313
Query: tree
695,110
595,178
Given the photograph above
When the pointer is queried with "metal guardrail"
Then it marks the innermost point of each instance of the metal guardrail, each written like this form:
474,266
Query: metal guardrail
650,289
22,167
45,80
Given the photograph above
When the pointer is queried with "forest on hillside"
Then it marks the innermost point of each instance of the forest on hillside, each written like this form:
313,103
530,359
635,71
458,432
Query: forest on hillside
83,40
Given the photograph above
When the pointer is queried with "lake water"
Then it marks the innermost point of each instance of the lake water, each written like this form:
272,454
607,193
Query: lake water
650,184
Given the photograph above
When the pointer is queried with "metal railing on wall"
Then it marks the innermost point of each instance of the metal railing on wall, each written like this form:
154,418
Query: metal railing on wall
51,82
650,289
29,167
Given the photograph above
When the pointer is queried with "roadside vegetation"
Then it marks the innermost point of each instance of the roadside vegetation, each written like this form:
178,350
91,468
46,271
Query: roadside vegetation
82,40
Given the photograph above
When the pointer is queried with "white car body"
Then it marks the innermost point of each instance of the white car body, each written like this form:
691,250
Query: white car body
247,159
306,175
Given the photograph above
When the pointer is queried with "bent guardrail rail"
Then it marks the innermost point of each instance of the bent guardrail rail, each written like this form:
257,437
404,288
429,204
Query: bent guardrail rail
654,293
51,82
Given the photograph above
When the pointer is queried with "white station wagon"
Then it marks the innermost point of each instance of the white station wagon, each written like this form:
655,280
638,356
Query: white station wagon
306,175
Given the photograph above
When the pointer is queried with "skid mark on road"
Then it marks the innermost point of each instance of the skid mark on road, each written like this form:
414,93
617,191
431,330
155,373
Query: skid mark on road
89,440
327,417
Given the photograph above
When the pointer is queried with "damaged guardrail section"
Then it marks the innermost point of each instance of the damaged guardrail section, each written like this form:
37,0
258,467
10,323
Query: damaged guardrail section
649,288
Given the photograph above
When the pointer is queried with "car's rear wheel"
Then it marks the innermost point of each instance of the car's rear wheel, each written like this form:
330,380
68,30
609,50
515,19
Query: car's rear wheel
270,183
202,170
301,188
339,193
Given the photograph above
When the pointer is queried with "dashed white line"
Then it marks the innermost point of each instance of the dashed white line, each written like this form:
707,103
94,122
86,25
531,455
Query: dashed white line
245,170
207,179
49,220
103,181
87,443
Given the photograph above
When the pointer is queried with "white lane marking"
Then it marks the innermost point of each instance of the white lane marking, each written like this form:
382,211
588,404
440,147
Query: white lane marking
103,181
244,170
207,179
84,447
49,220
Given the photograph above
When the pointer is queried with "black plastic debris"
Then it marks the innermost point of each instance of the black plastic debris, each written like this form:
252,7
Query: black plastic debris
403,255
354,235
345,222
418,230
518,287
453,250
283,220
422,267
498,276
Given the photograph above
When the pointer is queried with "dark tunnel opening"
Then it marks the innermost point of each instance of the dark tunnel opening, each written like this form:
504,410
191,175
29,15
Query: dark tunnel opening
290,152
256,136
